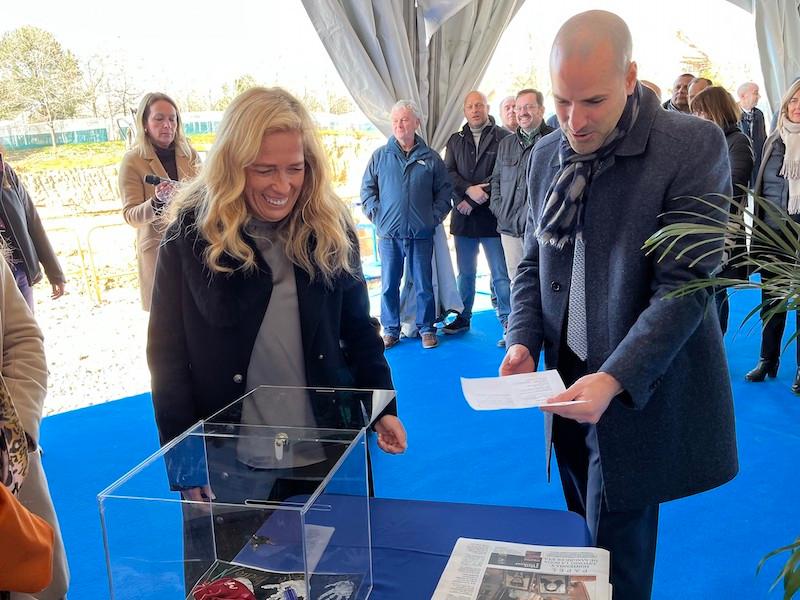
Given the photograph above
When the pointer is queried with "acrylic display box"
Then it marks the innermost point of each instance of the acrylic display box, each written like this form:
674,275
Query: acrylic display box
240,503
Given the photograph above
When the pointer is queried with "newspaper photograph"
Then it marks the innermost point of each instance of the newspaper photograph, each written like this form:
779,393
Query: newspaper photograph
491,570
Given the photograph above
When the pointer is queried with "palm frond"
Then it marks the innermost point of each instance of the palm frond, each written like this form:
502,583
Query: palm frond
773,250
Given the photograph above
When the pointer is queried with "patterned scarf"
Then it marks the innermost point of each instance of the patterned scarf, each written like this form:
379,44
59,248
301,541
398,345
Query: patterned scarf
562,217
13,443
790,134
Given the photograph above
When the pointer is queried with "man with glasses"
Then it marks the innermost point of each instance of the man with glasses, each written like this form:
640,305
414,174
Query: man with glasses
509,191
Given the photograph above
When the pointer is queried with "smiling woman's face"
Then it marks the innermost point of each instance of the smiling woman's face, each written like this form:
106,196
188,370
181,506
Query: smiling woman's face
274,180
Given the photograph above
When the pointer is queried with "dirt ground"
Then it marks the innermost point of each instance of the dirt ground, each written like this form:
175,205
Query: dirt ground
95,352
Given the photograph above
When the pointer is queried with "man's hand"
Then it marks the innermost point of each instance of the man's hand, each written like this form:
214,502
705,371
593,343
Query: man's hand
391,435
597,389
518,359
464,207
477,193
58,290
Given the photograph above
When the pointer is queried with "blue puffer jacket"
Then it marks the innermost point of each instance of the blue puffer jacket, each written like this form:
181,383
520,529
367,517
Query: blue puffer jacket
406,196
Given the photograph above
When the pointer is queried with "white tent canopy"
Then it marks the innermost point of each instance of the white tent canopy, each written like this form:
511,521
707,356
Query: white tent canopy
430,51
434,51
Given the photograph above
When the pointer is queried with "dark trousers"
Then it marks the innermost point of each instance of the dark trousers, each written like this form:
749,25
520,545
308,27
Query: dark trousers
22,283
631,535
723,308
772,333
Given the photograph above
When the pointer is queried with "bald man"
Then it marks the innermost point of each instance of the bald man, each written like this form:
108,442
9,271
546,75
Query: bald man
648,415
679,102
752,123
470,159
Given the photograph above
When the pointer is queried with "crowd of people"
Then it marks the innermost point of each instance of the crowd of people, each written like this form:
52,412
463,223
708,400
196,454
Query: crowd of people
249,265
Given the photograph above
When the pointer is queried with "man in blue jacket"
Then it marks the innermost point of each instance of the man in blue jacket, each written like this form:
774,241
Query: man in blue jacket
648,414
406,193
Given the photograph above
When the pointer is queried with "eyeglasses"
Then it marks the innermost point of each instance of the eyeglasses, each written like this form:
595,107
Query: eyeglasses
526,108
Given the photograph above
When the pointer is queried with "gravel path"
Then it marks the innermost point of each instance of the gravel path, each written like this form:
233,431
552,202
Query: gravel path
95,353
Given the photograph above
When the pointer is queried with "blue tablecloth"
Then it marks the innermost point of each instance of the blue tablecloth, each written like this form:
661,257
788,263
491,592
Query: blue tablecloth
412,540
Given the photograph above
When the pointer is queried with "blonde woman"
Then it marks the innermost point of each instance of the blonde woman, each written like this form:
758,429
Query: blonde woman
161,149
259,280
778,181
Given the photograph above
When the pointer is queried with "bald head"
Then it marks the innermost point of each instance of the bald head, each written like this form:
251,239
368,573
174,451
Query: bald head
476,109
581,37
592,76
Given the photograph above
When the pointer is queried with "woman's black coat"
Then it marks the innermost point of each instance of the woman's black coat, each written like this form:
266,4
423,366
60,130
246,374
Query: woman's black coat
203,327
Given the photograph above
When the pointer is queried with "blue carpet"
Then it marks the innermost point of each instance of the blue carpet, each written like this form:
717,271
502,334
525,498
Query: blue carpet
709,544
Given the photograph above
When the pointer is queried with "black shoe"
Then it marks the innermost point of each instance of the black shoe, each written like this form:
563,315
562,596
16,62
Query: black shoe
796,384
763,368
459,325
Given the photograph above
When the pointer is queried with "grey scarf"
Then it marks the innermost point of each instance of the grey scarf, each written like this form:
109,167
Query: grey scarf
562,217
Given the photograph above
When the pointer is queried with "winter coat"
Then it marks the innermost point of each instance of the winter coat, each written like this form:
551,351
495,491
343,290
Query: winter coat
24,227
509,195
468,165
405,196
671,432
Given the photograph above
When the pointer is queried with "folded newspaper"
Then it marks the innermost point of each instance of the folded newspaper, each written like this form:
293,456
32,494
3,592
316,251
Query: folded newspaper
489,570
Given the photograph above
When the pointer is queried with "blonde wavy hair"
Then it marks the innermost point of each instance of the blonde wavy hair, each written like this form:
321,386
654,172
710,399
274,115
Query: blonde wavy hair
141,143
793,89
316,236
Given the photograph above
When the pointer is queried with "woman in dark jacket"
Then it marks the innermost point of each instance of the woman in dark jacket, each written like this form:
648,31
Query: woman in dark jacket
717,105
260,262
24,234
258,282
778,181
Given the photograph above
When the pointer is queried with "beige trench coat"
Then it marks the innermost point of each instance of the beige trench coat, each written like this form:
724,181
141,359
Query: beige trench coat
137,208
25,372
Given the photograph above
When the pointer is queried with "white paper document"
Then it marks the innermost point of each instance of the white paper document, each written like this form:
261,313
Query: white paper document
513,391
480,569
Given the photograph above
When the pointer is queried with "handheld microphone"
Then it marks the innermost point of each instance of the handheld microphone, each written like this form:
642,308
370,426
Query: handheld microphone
155,179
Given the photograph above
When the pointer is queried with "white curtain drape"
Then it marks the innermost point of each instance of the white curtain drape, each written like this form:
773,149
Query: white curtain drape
777,25
430,51
778,35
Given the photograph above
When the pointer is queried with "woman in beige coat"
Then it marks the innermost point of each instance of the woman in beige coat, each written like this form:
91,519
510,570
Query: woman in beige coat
160,149
24,370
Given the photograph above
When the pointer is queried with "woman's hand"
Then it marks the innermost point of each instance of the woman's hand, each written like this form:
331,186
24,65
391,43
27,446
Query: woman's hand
165,191
58,290
391,435
199,494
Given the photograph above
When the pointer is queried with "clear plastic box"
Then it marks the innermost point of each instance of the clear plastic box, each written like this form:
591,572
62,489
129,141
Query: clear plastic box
281,510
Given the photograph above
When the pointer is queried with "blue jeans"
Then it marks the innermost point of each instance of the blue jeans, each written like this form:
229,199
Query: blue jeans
467,259
420,259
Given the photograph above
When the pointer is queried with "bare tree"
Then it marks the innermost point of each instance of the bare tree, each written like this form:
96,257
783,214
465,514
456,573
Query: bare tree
94,79
38,76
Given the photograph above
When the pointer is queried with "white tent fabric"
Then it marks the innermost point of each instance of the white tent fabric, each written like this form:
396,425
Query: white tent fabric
778,35
380,48
777,25
430,51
